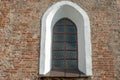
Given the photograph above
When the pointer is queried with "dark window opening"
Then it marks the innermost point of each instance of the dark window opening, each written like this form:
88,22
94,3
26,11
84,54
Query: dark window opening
65,49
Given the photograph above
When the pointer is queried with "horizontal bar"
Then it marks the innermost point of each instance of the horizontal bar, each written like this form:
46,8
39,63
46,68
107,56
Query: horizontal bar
65,33
65,59
67,41
57,25
63,50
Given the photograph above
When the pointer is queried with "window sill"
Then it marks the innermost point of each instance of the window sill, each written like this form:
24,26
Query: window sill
60,73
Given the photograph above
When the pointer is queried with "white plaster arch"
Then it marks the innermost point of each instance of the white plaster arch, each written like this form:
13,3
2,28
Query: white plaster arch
80,18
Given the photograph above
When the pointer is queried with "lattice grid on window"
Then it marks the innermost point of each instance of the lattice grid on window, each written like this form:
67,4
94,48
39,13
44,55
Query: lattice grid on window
65,49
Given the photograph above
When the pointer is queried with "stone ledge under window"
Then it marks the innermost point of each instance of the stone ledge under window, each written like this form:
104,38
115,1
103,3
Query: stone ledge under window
62,73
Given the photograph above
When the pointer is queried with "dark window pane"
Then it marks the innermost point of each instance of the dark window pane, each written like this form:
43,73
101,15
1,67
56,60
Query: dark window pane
71,64
68,22
58,54
59,37
58,63
70,37
58,46
71,54
59,29
71,46
70,29
60,22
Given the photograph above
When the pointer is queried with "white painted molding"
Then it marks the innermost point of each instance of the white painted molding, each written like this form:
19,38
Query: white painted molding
66,9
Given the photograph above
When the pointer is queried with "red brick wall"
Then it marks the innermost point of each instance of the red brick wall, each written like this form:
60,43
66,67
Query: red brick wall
20,37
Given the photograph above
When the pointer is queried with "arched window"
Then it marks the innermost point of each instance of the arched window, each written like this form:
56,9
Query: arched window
65,50
65,31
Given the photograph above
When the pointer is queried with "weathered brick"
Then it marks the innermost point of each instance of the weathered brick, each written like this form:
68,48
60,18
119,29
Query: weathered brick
20,32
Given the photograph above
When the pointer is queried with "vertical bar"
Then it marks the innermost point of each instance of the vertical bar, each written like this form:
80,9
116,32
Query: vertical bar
77,46
53,49
64,48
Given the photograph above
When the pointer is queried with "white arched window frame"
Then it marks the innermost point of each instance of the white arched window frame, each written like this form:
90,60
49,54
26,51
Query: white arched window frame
74,12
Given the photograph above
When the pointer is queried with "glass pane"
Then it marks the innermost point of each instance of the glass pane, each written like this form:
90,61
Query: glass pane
59,29
61,22
70,29
71,64
71,54
71,46
58,54
58,37
58,63
70,37
58,46
68,22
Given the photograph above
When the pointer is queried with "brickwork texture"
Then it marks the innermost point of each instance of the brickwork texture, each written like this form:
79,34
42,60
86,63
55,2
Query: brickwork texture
20,24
